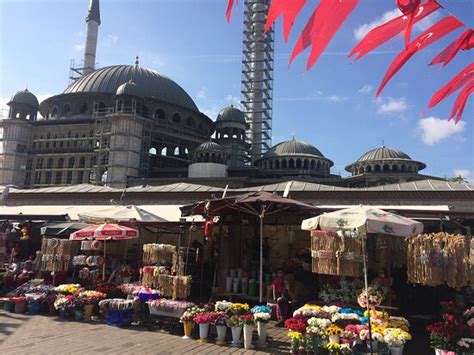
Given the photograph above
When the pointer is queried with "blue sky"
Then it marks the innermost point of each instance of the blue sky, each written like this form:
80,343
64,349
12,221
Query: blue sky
332,106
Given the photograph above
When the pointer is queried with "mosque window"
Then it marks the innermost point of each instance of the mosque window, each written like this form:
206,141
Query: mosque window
80,177
190,122
160,114
177,118
152,151
38,177
83,108
176,151
291,164
377,168
54,111
59,178
298,164
313,164
47,179
368,169
283,164
69,177
71,163
66,109
164,151
404,168
386,168
394,168
82,162
60,164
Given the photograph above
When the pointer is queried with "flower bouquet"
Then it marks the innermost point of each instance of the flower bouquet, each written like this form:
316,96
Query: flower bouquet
395,339
334,333
204,319
65,305
297,341
260,309
223,306
296,324
240,308
261,319
67,288
375,298
187,319
338,349
344,319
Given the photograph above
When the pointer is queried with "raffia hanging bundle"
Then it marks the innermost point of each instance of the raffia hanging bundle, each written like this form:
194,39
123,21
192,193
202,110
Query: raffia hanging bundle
56,254
335,255
471,263
438,259
158,253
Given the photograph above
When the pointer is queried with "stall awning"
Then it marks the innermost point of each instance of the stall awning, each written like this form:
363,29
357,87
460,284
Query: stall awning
171,213
418,208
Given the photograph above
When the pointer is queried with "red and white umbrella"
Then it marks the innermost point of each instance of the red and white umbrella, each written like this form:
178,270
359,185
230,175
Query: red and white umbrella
105,231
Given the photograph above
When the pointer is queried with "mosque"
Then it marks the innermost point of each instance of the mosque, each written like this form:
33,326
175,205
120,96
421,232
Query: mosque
126,125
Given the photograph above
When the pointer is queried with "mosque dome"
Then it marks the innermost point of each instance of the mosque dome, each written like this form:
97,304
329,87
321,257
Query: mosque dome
231,114
209,147
293,148
24,97
151,84
385,159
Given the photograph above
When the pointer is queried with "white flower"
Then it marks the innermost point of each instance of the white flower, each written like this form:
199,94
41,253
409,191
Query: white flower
320,323
346,316
466,342
223,306
261,317
331,309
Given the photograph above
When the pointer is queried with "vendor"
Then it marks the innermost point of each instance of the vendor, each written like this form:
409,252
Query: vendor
294,296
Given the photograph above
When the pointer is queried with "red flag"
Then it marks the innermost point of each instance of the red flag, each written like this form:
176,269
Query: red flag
464,42
289,9
465,76
433,34
322,26
381,34
230,5
461,101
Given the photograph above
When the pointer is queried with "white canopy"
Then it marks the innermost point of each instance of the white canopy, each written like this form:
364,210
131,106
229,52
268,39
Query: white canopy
365,219
121,214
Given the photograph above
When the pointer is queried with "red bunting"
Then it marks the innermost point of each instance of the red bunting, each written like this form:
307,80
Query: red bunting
408,8
433,34
230,5
465,76
464,42
289,9
461,101
381,34
322,26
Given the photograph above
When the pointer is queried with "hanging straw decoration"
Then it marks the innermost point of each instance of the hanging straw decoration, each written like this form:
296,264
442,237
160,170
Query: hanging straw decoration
336,255
158,253
56,254
439,259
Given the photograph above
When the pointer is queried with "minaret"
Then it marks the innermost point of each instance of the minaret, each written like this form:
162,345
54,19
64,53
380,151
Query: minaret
93,22
257,77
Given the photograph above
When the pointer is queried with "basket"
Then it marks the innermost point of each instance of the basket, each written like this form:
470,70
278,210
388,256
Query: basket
119,318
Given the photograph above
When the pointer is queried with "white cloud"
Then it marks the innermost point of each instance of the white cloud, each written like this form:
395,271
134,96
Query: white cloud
391,105
366,89
110,40
233,100
362,30
202,93
434,130
79,47
336,98
465,173
427,22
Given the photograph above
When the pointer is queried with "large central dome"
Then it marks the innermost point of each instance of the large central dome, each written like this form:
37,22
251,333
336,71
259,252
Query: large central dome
150,84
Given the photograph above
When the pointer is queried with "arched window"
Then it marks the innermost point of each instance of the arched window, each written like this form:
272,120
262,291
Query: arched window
394,168
291,164
59,178
66,110
160,114
298,164
386,168
306,164
377,168
164,151
152,151
410,169
190,122
177,118
277,164
119,105
403,168
368,169
70,163
82,162
313,164
83,108
60,164
54,112
176,151
283,164
49,164
361,170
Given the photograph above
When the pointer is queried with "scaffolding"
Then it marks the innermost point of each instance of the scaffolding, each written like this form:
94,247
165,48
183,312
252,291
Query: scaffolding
257,77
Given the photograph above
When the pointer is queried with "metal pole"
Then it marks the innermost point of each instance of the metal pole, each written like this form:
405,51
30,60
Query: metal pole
103,265
260,278
366,283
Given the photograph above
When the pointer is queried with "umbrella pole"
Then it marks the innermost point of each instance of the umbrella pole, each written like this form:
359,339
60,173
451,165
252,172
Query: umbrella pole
103,265
260,278
366,283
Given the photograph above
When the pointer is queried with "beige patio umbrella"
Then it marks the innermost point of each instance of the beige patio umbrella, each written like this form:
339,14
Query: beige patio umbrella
357,222
117,214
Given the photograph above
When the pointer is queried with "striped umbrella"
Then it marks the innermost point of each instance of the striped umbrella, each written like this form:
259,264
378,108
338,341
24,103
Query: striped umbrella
105,231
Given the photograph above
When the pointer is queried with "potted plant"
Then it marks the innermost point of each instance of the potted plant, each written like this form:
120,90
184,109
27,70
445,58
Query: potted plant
187,320
203,320
220,321
262,318
248,322
235,324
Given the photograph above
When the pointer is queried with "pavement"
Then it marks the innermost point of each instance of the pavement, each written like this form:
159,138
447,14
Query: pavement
41,334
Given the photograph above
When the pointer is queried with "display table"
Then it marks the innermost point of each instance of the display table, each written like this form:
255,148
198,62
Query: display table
166,312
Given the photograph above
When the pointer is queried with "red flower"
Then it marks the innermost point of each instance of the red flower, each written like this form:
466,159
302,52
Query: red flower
296,324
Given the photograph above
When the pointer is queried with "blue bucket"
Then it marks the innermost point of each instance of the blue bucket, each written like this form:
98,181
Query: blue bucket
34,307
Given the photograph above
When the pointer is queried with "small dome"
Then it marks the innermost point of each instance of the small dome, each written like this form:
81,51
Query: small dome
231,114
293,148
209,147
384,153
129,88
24,97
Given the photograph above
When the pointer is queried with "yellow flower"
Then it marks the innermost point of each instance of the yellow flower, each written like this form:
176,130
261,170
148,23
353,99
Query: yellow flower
312,306
295,335
334,330
333,346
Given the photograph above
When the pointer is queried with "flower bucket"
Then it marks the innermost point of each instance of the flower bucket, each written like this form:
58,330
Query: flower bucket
228,284
9,306
34,307
203,333
396,350
236,336
334,338
248,333
64,314
262,333
88,310
188,329
79,315
221,333
20,304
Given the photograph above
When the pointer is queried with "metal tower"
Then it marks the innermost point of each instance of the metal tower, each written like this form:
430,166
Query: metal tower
257,77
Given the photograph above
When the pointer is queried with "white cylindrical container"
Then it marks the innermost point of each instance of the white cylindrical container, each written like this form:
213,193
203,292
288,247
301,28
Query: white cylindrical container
248,333
236,336
221,333
396,350
236,285
262,333
334,338
228,284
233,273
203,333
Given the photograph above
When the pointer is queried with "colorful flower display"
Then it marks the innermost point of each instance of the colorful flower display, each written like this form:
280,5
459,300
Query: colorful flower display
374,300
